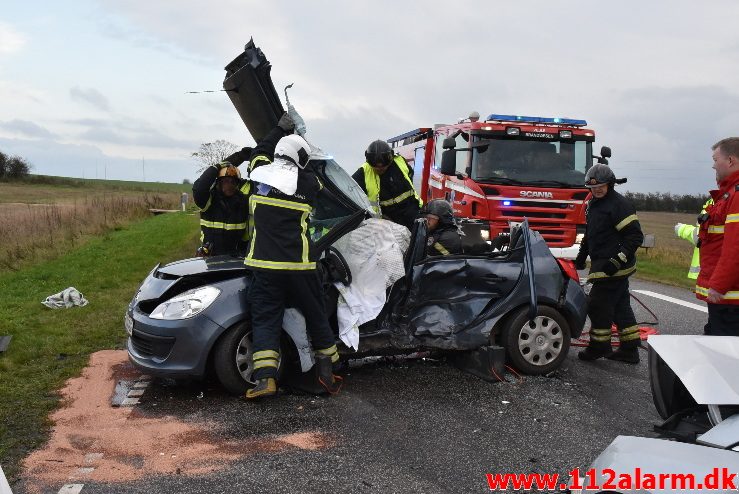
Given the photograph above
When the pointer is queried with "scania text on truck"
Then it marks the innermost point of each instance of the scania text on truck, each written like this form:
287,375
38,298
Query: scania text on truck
507,168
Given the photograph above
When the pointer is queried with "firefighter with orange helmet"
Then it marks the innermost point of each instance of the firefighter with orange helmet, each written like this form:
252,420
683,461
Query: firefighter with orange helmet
222,196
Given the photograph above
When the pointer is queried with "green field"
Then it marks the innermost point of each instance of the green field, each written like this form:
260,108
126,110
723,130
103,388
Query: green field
50,346
669,260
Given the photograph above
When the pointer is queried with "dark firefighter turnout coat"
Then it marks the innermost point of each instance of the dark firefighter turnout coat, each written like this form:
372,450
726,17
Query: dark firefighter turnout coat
223,220
612,232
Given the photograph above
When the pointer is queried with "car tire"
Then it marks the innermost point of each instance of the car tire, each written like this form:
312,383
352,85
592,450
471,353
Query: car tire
537,347
232,359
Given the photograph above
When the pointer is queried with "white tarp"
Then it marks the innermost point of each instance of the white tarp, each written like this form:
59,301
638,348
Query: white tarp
708,366
374,253
69,297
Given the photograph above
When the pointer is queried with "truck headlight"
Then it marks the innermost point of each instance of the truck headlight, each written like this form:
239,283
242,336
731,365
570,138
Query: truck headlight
186,304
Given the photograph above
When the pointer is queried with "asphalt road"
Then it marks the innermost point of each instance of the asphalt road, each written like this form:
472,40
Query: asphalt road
418,425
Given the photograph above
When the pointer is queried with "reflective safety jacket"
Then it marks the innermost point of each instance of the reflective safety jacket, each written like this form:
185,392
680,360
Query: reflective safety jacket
445,240
391,194
690,233
719,243
223,220
612,232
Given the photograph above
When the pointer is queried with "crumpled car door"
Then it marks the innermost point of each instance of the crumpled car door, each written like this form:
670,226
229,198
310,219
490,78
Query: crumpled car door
449,292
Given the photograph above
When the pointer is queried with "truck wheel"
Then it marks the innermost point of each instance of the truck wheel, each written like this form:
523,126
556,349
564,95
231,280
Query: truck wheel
539,346
232,359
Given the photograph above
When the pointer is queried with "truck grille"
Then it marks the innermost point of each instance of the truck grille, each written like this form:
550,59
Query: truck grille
151,346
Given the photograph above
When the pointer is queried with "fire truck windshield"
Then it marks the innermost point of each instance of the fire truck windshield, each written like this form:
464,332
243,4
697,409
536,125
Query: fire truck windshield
530,162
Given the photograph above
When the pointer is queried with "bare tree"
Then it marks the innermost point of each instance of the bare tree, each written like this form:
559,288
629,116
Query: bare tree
212,153
17,167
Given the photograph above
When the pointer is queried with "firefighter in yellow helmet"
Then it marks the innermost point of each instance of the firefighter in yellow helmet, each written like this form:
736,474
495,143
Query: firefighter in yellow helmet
222,196
388,182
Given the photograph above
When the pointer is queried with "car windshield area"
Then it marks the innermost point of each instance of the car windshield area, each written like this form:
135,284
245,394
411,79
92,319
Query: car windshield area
337,200
518,161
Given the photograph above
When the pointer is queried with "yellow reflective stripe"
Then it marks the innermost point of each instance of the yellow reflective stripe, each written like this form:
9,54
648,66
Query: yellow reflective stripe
405,195
718,229
257,159
630,329
622,272
280,203
626,221
441,248
600,334
304,236
265,363
730,295
732,218
327,351
265,354
292,266
222,226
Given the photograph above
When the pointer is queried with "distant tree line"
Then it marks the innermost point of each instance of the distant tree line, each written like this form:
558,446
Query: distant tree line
13,167
664,201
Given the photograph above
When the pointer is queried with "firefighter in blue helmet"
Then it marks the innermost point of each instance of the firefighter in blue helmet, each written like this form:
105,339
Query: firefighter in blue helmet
283,266
612,236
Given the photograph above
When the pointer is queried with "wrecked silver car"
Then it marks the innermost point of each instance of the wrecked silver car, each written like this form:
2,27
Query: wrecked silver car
191,316
696,392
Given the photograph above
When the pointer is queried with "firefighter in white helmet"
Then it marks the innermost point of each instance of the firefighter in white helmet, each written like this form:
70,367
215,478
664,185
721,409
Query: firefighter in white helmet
283,266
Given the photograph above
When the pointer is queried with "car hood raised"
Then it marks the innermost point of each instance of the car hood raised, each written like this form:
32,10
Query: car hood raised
708,366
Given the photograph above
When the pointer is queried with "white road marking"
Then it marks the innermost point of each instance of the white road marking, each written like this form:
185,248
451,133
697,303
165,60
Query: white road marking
673,300
71,489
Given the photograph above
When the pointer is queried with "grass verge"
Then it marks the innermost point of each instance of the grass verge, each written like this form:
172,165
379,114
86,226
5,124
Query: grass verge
50,346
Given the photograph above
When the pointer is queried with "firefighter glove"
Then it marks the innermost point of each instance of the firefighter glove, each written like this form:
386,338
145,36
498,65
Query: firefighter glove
611,267
579,263
286,123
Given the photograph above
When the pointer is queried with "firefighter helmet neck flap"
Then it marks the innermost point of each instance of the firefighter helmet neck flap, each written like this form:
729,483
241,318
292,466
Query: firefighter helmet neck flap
293,149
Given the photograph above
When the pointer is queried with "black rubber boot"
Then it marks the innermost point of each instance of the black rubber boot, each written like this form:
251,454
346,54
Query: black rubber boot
263,389
594,352
626,353
326,377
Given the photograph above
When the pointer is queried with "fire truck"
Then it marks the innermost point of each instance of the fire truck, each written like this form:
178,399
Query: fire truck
505,168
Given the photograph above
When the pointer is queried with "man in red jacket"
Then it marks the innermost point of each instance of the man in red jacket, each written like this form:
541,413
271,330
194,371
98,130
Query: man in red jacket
718,237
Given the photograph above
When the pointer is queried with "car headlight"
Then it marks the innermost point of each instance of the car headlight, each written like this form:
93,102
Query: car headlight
579,237
186,304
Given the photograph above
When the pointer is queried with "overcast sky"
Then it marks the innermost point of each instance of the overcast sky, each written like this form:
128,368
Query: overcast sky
98,88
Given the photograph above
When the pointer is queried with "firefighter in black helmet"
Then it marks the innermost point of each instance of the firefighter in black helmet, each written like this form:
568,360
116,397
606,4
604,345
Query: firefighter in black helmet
222,197
445,237
388,182
612,236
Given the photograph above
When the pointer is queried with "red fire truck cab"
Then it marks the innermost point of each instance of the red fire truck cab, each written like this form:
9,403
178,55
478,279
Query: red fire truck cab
507,168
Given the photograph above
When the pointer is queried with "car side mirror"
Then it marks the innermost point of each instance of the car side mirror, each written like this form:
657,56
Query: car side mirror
449,162
449,143
605,152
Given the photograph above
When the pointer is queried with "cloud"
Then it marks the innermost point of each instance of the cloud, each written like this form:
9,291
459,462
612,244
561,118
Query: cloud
74,160
11,41
91,96
26,128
